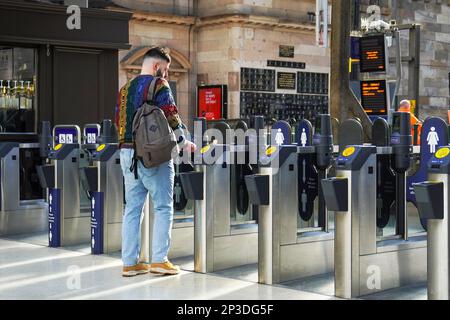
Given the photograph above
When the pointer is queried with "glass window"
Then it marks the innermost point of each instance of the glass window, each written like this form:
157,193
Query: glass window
17,89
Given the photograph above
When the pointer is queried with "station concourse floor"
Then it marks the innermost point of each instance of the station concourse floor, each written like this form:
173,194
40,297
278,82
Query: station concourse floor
34,271
31,270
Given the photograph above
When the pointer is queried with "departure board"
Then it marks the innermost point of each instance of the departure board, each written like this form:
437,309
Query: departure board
312,83
283,106
374,97
372,54
257,79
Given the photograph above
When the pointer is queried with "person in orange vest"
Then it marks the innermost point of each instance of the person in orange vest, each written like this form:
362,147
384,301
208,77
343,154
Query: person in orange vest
405,106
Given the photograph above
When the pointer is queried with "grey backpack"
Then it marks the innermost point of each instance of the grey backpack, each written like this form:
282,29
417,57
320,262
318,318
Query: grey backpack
154,141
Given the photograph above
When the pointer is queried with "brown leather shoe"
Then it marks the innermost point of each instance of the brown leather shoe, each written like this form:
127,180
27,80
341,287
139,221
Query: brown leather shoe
140,268
166,268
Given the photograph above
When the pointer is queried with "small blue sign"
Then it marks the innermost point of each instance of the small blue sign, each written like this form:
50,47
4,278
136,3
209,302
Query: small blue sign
307,173
66,135
97,223
281,133
434,135
54,218
395,138
354,47
91,134
304,134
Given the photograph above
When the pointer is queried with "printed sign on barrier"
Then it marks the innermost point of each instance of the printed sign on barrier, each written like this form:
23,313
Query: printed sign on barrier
97,223
307,173
54,218
281,133
434,135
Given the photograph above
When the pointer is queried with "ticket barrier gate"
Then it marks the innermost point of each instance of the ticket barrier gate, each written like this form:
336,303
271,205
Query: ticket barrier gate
69,210
288,249
432,199
103,180
23,208
220,240
69,223
365,264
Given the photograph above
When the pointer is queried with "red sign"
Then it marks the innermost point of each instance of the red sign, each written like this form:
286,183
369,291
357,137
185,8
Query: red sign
210,104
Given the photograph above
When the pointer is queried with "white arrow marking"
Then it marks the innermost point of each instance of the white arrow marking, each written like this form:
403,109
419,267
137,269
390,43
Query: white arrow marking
304,170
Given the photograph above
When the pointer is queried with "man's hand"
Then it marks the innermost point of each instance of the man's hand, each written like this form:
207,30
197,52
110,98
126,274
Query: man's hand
190,147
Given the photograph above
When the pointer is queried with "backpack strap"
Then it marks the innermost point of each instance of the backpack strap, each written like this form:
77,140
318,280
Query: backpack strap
151,91
150,98
134,163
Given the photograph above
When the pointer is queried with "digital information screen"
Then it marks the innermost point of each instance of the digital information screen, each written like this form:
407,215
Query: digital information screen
212,102
374,97
372,54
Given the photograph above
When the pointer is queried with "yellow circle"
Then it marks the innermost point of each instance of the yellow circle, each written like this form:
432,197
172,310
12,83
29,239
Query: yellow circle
442,153
271,150
101,147
205,149
348,151
58,146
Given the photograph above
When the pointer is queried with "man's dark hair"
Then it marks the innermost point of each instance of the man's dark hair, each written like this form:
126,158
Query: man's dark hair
157,53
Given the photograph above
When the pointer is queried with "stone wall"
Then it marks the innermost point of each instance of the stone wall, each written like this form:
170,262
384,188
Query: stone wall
434,17
177,7
220,39
224,50
147,31
286,9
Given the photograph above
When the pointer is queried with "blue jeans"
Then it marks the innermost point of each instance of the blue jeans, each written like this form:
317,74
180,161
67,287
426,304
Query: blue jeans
159,183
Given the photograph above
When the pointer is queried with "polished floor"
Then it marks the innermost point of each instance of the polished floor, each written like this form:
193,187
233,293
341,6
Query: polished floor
31,270
324,285
34,271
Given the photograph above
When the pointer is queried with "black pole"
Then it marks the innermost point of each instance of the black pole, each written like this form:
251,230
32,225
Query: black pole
357,15
322,210
400,207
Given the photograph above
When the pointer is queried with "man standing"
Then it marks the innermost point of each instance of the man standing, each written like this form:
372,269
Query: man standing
405,106
157,181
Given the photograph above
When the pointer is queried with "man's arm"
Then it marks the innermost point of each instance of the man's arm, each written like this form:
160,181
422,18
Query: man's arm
120,114
164,100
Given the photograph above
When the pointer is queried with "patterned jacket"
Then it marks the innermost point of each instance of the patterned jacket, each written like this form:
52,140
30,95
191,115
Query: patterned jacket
133,95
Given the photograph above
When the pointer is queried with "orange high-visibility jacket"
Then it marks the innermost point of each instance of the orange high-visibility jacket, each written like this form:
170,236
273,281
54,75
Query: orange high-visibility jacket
414,120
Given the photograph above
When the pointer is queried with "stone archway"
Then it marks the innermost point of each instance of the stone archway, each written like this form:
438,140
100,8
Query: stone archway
131,65
132,62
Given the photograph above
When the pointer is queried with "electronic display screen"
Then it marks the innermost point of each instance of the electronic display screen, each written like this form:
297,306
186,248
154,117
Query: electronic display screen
372,54
210,104
374,97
